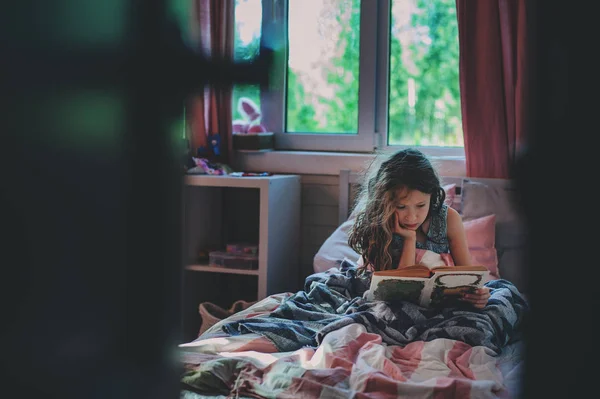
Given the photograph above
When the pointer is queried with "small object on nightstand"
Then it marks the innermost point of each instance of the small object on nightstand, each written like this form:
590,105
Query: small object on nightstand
203,255
233,261
250,174
242,248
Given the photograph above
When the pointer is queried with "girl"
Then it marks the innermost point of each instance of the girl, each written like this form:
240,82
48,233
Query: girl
403,219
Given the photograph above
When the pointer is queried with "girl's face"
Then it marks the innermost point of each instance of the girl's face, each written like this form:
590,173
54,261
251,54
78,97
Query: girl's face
412,207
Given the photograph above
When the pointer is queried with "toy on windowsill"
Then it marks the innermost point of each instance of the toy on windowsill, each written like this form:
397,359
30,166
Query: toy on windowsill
248,133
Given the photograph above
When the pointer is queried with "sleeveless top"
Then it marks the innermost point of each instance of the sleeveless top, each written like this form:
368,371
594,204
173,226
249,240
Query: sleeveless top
436,240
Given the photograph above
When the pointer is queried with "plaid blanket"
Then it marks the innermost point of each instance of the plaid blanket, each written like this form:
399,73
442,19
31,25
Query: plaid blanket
332,300
349,363
327,342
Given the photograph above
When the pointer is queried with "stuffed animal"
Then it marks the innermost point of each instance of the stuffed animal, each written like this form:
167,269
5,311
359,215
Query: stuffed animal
251,114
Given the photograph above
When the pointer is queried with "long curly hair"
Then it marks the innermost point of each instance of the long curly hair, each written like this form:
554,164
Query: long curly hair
371,234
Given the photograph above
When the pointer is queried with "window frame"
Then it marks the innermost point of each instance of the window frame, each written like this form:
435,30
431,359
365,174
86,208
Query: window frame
375,26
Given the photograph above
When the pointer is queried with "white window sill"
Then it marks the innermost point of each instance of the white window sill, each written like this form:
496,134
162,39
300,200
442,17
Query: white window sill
328,163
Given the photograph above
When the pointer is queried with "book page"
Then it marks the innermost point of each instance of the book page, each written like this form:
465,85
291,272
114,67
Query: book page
387,288
446,287
443,289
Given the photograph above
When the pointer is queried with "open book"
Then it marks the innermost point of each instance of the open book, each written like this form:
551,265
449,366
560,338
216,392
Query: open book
440,286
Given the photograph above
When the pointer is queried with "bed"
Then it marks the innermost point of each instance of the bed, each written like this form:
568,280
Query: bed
327,342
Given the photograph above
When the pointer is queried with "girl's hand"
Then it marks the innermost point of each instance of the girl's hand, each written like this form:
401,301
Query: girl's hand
478,298
404,232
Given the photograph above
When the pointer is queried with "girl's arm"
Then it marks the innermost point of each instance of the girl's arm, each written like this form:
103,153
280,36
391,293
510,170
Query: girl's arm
459,250
409,252
457,239
409,248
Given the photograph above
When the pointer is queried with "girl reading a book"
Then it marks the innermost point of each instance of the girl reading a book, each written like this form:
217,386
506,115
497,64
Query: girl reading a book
402,220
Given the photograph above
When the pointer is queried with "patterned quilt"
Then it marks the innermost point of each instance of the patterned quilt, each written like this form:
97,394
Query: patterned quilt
327,342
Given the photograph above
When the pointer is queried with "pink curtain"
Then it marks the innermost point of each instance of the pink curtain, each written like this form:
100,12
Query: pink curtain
493,65
209,115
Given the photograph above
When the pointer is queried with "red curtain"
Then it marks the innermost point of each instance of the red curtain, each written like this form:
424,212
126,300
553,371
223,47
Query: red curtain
493,83
209,115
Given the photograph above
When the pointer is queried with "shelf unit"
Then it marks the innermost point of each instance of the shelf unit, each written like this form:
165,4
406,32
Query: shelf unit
213,269
262,209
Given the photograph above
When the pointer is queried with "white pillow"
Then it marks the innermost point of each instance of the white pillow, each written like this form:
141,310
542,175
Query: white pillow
335,249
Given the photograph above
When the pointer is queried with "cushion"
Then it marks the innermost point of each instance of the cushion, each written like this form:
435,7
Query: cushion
450,200
479,199
481,238
481,232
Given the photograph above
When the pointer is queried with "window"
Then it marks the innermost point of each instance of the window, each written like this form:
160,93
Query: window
247,32
351,75
322,67
424,100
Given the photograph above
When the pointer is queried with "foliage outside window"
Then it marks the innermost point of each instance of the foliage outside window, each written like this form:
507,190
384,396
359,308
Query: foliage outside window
322,96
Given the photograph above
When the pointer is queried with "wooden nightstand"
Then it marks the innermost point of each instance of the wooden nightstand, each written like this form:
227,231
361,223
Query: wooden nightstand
224,209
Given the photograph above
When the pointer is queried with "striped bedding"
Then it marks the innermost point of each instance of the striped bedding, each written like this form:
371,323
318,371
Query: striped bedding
349,361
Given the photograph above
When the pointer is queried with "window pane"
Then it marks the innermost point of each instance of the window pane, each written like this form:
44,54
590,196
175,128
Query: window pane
424,102
248,20
322,88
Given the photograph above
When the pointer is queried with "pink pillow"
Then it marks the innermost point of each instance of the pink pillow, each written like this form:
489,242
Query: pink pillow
481,238
488,258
